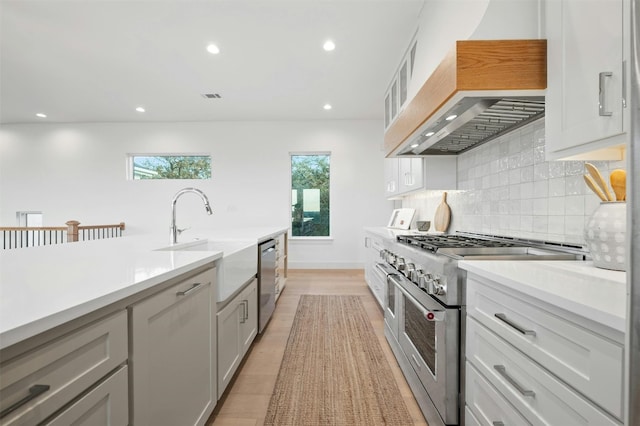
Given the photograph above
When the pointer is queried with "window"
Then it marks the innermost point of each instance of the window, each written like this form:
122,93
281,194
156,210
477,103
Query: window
169,166
310,195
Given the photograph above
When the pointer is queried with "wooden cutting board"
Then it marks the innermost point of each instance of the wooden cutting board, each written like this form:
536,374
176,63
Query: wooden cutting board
443,215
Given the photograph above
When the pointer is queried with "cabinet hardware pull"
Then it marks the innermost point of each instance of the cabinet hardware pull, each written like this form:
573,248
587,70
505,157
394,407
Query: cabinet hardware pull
242,320
503,318
498,423
602,110
246,310
34,392
503,372
189,290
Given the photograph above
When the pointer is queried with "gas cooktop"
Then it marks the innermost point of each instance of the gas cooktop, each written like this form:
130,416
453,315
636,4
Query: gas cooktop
435,242
460,246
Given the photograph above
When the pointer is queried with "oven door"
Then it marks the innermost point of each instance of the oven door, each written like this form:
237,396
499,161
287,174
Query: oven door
429,336
391,295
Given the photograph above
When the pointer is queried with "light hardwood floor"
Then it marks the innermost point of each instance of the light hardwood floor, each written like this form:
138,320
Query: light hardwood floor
246,400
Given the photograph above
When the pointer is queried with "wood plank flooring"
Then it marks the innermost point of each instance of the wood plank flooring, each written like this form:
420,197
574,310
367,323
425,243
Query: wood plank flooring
246,399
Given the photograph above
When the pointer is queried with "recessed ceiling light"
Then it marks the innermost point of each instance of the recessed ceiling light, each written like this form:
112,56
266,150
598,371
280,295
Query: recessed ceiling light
415,145
329,45
327,106
429,134
41,115
213,49
451,117
140,109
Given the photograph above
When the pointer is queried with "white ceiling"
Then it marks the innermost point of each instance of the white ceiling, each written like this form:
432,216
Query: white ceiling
97,60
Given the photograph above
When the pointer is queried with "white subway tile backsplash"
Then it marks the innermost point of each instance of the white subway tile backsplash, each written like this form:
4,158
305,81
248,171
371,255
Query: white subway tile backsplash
510,189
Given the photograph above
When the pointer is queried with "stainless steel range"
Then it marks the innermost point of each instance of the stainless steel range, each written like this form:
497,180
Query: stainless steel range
425,309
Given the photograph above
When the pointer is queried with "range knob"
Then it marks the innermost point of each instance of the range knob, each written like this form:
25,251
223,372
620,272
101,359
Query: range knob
409,269
400,264
383,254
391,258
436,287
424,280
415,276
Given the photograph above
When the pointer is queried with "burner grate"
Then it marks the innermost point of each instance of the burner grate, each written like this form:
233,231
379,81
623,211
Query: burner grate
433,242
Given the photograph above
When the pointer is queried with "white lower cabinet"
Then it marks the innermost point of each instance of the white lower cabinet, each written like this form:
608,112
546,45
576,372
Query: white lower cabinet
532,363
373,245
55,376
173,354
106,404
237,328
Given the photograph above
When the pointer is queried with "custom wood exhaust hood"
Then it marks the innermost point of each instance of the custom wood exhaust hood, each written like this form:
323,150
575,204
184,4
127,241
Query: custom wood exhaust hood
493,86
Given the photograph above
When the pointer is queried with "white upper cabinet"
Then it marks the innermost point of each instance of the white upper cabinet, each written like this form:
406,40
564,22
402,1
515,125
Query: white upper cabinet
586,89
398,92
408,174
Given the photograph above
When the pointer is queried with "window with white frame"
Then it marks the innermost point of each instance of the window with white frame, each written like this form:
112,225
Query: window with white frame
310,195
169,166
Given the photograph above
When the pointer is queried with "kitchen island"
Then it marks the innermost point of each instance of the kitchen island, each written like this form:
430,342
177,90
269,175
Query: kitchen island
82,323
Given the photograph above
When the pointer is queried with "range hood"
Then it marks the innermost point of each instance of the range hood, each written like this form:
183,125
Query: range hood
481,90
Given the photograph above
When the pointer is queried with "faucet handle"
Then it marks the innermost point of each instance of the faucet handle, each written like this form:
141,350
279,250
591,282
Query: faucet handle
180,231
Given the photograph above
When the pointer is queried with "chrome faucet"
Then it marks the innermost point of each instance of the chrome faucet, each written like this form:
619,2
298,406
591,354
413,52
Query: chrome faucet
174,229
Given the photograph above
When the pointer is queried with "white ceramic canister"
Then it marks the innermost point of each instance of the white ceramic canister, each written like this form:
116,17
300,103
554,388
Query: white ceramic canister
605,235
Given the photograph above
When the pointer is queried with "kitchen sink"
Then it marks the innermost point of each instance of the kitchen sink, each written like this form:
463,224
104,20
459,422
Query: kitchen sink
239,263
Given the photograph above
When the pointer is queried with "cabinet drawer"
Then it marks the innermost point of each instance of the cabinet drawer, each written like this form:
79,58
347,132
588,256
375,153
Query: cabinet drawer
587,361
535,393
486,403
106,405
68,366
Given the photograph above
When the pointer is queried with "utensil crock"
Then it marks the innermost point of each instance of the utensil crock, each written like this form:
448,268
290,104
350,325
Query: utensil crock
605,235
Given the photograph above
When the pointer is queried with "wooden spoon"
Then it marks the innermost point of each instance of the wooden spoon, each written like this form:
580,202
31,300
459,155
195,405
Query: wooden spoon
599,180
618,180
595,188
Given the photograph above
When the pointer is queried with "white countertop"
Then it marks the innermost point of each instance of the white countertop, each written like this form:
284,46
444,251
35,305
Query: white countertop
44,287
578,287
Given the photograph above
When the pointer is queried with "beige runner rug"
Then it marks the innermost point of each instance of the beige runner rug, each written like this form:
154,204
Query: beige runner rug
334,371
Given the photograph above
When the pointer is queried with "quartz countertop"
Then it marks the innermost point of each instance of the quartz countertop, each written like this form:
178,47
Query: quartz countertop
44,287
578,287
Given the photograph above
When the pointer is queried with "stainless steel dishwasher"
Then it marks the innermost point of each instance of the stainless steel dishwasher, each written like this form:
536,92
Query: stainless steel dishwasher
266,281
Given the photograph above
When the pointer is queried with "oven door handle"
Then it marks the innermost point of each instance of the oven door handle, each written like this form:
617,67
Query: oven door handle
426,313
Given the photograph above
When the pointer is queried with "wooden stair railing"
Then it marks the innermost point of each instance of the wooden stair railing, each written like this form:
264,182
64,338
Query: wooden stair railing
19,236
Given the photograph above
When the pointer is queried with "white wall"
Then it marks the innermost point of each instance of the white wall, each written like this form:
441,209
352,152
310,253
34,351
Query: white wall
77,171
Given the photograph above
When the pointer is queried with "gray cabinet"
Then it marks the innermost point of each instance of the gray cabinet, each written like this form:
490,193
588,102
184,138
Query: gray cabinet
173,354
237,328
52,379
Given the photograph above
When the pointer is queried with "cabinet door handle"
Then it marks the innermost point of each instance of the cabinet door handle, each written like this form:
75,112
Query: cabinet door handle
34,392
503,318
189,290
246,310
498,423
503,372
602,109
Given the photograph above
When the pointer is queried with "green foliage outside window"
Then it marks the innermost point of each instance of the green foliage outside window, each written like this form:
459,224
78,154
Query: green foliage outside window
172,167
310,195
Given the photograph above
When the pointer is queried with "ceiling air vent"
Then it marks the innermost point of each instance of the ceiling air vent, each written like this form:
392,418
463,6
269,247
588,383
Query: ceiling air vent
211,96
